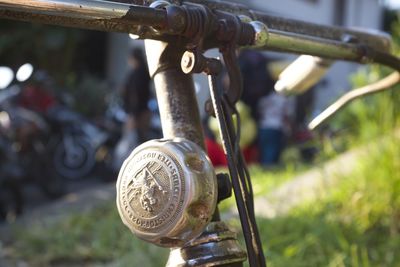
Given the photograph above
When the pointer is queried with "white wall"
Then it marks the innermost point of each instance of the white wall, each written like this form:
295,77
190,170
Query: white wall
318,11
118,51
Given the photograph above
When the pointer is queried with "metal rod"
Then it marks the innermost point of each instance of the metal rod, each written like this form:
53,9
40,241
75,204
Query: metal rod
298,43
90,14
84,9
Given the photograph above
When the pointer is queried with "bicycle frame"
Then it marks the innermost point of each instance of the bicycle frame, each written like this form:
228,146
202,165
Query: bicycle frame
175,90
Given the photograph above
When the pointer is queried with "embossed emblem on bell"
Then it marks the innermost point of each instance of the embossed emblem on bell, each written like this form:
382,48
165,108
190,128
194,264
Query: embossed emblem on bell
167,191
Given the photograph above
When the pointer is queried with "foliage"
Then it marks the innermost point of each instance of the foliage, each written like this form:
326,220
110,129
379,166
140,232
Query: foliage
89,95
356,224
47,47
62,53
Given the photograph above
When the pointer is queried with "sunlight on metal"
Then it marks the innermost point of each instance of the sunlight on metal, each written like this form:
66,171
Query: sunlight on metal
134,36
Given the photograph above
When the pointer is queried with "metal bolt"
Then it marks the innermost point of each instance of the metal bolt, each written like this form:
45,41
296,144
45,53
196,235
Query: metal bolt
261,34
188,62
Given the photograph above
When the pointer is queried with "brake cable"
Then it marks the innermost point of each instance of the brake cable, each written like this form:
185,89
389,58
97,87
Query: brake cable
239,174
223,109
230,32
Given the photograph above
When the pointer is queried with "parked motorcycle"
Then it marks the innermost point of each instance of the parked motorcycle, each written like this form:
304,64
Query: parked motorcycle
27,135
76,143
11,200
74,140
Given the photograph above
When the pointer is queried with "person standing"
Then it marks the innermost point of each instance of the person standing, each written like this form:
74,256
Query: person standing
274,112
257,81
135,94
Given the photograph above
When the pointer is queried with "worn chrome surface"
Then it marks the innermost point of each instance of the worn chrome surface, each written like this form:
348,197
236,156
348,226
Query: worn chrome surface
167,191
84,9
217,246
93,13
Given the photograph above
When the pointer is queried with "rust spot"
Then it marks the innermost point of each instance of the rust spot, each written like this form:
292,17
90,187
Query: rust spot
199,211
195,163
173,242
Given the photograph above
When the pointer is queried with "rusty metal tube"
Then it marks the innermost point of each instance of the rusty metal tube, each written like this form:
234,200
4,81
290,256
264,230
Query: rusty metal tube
90,14
296,43
175,92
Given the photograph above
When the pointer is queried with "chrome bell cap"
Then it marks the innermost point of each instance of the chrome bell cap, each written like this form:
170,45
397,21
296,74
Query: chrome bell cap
167,191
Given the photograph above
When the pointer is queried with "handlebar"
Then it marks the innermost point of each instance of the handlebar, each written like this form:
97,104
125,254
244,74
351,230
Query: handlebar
283,35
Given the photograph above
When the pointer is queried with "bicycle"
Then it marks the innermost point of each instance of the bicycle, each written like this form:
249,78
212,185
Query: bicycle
167,191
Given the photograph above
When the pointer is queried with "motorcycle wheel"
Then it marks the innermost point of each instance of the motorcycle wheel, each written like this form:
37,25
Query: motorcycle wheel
54,187
75,165
11,201
49,182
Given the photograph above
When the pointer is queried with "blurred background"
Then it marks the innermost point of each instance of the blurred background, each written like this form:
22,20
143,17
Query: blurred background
74,103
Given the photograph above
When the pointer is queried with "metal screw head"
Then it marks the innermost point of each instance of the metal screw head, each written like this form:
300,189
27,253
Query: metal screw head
188,62
261,35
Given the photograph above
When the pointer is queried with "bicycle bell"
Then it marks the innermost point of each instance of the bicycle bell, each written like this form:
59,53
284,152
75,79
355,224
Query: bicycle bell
167,191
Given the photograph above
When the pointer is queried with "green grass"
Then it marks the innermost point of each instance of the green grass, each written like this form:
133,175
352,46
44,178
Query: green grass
96,237
266,180
356,224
